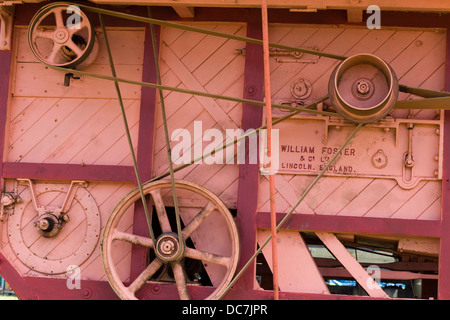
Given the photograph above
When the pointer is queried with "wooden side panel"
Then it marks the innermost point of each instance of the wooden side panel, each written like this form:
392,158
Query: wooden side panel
207,64
418,59
72,236
80,123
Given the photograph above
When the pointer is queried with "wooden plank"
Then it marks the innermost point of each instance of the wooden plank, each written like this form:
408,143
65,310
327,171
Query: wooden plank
392,201
349,224
297,270
421,246
216,60
86,132
22,118
207,46
35,133
324,188
384,274
247,196
433,212
401,5
343,196
209,104
188,40
65,127
120,149
420,201
351,265
50,83
107,139
365,200
68,172
285,191
415,52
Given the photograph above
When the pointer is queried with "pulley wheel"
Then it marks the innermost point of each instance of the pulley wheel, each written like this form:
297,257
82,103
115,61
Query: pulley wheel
363,88
205,254
61,35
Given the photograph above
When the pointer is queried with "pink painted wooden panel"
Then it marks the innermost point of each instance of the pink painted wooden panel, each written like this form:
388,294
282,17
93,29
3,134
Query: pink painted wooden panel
418,59
207,64
80,123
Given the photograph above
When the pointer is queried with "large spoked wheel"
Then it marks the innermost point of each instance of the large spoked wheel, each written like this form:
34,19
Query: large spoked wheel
61,35
205,255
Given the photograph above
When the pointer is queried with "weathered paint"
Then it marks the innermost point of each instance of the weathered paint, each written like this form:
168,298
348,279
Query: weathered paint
248,218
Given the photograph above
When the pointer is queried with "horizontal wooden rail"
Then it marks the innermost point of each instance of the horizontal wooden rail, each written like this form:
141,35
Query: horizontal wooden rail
331,223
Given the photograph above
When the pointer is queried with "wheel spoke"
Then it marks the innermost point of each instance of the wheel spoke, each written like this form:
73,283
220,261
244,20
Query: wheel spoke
147,273
161,211
56,48
197,220
132,238
59,17
207,257
180,279
72,46
44,34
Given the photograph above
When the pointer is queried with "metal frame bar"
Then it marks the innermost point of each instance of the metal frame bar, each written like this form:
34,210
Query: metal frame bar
444,254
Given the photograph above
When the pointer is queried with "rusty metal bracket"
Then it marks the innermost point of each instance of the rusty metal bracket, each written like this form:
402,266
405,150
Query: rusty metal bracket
6,23
74,185
285,55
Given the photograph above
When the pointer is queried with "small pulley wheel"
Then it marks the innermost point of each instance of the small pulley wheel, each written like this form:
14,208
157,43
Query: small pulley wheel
61,35
363,88
208,244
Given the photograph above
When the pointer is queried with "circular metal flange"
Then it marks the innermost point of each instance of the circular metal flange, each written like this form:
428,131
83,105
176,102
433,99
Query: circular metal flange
61,35
72,245
363,88
301,89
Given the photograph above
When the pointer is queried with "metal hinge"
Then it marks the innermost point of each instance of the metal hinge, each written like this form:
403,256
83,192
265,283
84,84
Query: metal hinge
289,56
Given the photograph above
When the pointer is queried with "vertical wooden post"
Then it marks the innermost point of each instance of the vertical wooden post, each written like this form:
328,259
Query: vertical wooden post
249,173
444,254
145,148
5,65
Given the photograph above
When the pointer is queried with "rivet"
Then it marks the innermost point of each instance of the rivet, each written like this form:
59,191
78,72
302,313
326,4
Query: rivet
251,90
86,293
156,289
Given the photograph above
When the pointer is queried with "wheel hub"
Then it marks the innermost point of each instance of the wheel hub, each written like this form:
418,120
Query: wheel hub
61,36
363,89
168,247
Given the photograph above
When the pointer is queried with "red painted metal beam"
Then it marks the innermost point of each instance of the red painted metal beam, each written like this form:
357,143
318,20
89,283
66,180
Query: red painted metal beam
5,62
247,197
330,223
145,147
444,255
56,171
39,288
